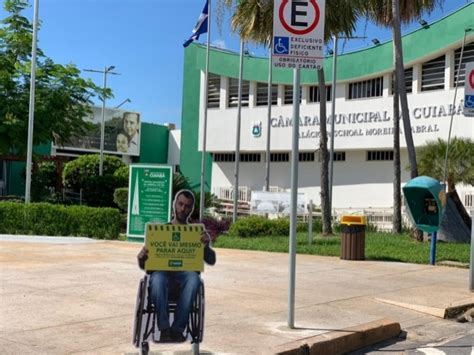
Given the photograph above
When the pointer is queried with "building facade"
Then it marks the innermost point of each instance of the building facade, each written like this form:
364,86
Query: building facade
363,144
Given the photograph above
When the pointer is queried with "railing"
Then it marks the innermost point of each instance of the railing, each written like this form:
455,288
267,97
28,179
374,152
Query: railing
227,193
466,195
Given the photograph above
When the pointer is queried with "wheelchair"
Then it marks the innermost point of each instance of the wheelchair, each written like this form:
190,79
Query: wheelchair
145,328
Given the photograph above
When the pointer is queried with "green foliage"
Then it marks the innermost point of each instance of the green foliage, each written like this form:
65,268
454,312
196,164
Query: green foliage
122,175
210,201
83,173
180,182
378,246
44,181
59,220
62,97
431,158
254,226
121,198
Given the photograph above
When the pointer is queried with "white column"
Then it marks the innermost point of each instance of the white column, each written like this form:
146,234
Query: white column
449,70
281,95
387,85
304,94
416,78
224,92
252,93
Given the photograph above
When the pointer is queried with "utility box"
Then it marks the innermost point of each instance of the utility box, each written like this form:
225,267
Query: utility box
353,237
425,198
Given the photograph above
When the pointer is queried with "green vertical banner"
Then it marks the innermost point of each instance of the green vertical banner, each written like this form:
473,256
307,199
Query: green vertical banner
149,198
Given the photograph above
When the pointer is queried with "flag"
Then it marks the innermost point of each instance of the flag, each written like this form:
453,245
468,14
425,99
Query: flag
200,27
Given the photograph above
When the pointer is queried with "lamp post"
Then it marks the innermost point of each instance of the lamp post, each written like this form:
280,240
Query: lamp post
107,70
31,111
123,103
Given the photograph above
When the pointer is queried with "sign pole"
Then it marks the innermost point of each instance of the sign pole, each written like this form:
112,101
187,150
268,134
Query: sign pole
294,196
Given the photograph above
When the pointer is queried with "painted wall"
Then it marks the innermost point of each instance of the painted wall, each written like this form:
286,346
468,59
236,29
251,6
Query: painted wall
154,144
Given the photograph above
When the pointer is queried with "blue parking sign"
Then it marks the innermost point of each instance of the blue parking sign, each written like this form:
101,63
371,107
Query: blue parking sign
281,45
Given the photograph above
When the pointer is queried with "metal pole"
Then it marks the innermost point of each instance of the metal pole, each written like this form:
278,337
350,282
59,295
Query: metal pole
102,125
204,135
310,222
269,118
333,113
471,264
195,348
237,142
294,196
434,237
456,79
31,112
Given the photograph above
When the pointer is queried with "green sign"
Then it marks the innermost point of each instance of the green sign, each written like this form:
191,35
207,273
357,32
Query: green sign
149,197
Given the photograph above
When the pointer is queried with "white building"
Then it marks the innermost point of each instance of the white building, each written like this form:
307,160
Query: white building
363,158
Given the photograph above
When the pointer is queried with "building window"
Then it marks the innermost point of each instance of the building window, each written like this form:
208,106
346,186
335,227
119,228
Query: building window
467,56
306,156
279,157
336,156
373,155
213,91
366,88
288,99
262,94
408,81
223,157
432,74
233,99
250,157
314,95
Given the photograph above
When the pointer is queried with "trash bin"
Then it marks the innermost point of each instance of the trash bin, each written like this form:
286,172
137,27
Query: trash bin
353,237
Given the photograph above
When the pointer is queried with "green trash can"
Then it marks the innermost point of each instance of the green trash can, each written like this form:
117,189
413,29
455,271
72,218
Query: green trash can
353,237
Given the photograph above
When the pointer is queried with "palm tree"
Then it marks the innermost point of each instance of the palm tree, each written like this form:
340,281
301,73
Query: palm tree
460,168
392,13
253,20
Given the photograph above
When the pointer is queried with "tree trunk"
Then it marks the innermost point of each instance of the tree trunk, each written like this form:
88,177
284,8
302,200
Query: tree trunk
323,148
397,201
402,92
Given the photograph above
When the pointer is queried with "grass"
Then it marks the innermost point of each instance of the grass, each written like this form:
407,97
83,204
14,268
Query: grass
378,246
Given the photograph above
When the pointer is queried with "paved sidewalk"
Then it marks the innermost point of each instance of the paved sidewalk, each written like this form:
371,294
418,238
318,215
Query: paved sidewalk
67,296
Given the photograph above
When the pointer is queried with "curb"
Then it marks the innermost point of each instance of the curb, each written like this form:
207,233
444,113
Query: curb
340,342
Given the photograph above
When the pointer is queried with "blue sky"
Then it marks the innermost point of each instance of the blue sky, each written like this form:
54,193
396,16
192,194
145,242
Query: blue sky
143,40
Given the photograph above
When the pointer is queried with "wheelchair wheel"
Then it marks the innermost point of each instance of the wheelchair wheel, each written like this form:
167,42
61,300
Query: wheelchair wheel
197,317
139,310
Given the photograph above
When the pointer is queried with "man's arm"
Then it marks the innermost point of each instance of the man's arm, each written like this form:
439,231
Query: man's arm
209,254
142,256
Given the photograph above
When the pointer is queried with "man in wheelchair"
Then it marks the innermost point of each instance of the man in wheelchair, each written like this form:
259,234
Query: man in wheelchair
188,282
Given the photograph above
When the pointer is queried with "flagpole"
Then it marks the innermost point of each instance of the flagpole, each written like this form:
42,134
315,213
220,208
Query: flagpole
237,143
31,114
269,118
204,138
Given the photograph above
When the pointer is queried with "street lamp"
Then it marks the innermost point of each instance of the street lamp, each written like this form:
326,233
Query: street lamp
123,102
107,70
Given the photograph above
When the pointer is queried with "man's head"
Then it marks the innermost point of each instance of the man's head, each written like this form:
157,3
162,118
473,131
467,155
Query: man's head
131,123
122,142
183,206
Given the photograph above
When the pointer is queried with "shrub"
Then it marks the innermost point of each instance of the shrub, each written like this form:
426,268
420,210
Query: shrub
59,220
121,198
83,173
122,174
44,180
251,226
216,227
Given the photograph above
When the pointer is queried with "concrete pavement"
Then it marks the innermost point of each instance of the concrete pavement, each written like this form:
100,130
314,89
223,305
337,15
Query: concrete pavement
67,296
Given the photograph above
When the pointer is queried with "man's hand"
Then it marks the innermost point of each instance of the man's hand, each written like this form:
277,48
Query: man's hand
205,238
142,257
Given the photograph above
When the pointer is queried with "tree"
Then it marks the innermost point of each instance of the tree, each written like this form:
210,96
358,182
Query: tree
253,19
392,13
62,97
460,169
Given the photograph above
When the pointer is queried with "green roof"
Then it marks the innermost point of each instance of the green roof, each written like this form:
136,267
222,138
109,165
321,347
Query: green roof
418,44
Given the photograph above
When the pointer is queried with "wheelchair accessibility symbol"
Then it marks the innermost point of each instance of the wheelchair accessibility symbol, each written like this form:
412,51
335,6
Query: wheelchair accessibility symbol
281,45
469,101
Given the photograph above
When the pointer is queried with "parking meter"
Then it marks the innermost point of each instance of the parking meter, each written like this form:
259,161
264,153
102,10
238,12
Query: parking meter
425,199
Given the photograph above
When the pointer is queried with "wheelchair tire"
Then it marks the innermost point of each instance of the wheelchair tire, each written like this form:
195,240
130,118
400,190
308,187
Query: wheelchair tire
196,318
139,310
145,348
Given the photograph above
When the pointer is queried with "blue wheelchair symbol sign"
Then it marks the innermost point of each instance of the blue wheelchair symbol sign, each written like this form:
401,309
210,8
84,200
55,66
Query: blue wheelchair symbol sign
469,101
281,45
